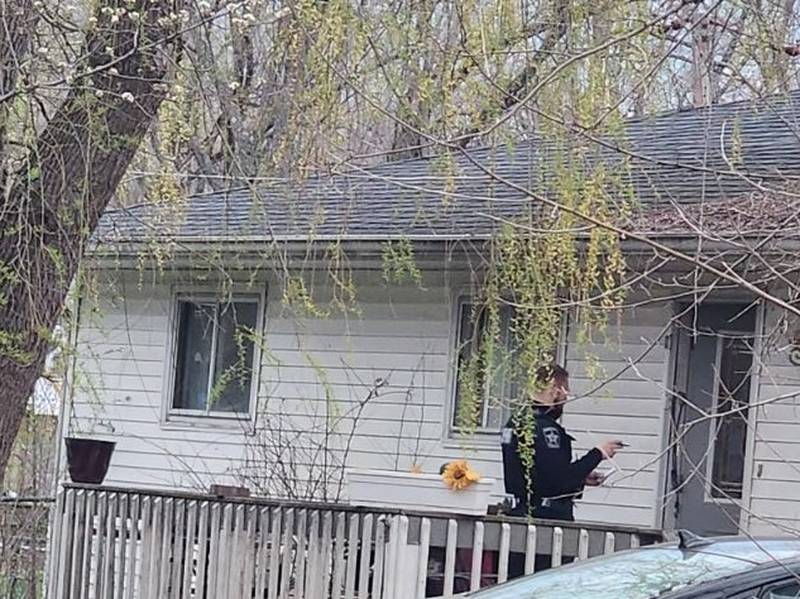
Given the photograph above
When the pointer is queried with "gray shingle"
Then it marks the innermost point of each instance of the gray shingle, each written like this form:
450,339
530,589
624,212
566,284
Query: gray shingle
680,158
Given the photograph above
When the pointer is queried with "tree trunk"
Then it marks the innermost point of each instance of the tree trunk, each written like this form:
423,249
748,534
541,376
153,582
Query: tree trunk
56,200
703,84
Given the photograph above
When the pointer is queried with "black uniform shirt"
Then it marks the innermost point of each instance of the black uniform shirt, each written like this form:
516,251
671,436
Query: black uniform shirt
554,474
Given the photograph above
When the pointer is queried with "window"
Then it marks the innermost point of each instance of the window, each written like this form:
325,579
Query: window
215,356
730,430
784,592
498,382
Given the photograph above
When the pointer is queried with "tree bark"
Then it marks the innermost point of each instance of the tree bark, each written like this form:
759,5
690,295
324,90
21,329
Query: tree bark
70,176
703,76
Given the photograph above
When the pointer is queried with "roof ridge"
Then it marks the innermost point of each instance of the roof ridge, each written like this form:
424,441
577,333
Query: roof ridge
794,93
248,182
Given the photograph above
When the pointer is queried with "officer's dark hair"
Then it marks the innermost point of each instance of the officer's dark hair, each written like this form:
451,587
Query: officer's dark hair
551,373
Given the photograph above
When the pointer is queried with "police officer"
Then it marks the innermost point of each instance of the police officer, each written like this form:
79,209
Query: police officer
549,488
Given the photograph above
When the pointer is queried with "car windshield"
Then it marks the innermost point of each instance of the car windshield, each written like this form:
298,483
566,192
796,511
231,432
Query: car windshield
644,573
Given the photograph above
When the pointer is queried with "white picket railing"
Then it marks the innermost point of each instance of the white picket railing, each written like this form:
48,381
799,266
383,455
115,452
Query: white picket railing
109,543
514,547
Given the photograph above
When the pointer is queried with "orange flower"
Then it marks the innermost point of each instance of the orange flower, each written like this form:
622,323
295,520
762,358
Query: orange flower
458,475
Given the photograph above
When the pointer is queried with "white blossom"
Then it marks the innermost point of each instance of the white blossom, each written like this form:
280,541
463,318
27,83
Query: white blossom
128,97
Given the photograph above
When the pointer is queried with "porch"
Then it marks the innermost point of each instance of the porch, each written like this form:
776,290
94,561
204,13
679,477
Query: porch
123,543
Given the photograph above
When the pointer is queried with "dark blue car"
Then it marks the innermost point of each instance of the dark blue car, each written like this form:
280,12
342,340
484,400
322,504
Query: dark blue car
721,568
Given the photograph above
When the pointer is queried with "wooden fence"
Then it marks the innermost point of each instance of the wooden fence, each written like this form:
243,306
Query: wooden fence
113,543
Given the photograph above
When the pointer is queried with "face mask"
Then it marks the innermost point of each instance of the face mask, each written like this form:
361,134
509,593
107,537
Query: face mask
556,411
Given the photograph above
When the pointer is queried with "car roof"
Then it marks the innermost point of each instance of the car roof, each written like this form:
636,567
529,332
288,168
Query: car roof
760,575
753,550
763,573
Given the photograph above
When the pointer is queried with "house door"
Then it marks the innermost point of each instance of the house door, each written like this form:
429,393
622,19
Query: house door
713,362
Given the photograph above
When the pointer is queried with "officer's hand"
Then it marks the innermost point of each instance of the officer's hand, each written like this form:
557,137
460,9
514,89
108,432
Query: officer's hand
610,448
595,479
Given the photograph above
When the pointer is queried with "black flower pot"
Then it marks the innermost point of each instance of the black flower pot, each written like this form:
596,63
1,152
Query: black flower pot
88,459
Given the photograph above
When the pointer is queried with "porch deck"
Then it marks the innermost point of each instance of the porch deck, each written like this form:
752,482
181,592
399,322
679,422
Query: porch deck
118,543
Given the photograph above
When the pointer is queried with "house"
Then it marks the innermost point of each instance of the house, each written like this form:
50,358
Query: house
338,368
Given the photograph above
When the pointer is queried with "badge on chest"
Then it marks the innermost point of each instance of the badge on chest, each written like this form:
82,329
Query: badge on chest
552,437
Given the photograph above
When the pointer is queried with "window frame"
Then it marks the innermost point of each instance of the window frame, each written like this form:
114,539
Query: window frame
482,435
776,585
182,417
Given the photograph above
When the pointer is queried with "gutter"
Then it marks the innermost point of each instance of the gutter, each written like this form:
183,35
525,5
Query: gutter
116,255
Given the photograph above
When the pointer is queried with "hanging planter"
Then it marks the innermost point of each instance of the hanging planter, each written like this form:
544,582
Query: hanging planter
88,459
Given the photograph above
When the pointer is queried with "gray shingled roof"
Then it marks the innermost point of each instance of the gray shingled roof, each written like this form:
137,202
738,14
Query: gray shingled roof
683,158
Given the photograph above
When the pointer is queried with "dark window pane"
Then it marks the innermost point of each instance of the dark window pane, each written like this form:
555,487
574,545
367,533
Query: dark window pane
496,380
195,331
233,365
469,333
790,590
733,395
503,385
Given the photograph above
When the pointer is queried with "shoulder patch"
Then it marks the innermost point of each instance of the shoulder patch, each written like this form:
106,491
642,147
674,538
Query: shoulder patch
505,436
552,437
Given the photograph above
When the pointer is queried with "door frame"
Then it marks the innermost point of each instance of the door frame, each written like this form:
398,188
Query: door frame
665,516
712,441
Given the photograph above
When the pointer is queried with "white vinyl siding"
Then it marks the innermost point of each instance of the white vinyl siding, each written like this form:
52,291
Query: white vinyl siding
398,352
629,407
776,456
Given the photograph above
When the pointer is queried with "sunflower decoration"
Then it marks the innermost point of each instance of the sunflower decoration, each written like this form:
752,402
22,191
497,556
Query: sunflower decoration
458,475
